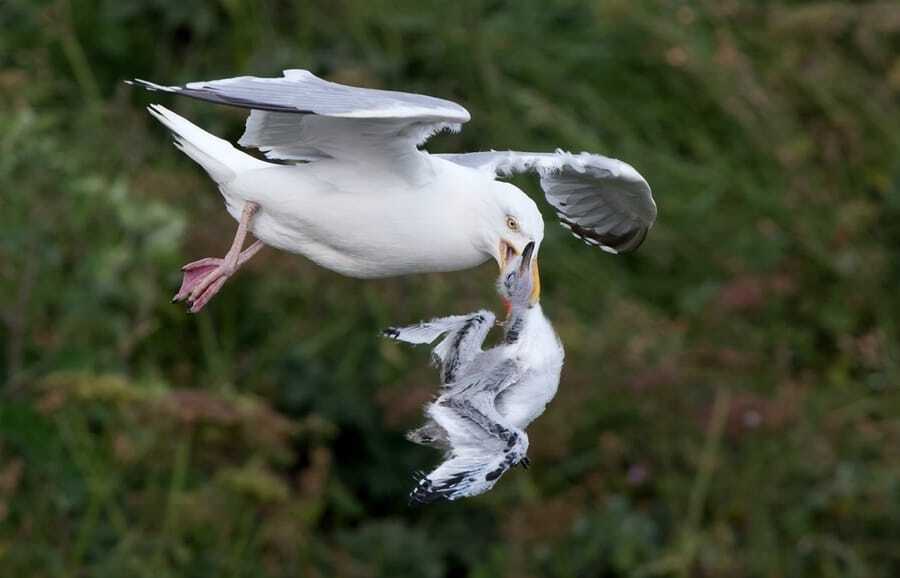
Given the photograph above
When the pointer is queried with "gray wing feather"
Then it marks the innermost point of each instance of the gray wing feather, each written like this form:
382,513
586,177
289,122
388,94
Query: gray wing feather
603,201
482,446
300,91
303,117
463,337
426,331
461,347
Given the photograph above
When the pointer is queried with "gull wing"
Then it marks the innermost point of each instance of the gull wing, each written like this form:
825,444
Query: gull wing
463,337
482,448
483,445
603,201
302,117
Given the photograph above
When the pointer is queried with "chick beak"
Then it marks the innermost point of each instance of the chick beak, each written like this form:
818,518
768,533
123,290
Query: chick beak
526,259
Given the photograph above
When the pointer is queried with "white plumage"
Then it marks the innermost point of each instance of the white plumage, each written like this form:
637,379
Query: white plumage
487,398
359,197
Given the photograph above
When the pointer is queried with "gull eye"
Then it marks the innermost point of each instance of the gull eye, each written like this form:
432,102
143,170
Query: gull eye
512,223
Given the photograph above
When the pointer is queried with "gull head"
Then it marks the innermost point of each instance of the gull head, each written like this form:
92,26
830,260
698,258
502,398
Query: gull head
517,280
513,221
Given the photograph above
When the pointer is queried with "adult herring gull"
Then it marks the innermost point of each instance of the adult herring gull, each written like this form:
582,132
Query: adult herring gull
353,192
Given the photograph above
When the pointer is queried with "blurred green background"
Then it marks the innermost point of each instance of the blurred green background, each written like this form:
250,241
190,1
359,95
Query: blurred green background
730,402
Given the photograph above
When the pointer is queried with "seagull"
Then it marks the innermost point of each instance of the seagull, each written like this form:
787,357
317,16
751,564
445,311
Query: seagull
346,185
488,397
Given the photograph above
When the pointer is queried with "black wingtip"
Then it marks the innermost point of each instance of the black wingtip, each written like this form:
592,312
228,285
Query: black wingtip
422,497
625,243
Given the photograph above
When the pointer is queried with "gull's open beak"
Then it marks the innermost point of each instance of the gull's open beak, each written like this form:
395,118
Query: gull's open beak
505,252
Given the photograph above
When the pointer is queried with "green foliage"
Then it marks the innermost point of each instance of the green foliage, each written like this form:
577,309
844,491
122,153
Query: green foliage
729,402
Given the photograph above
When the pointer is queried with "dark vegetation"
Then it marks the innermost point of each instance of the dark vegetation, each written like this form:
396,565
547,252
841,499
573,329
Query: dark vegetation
730,401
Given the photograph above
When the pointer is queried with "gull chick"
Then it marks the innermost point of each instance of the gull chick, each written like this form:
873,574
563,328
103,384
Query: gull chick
487,398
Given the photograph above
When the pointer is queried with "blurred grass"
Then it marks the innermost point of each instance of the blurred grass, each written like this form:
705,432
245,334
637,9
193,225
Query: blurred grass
729,403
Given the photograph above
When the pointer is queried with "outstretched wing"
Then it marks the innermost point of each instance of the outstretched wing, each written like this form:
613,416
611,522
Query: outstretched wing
483,447
463,337
469,472
302,117
602,201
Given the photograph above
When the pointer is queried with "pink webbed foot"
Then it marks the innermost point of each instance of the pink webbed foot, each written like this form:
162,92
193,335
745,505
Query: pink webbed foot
201,281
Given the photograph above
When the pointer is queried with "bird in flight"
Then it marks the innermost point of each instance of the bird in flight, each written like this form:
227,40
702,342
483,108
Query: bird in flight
352,191
487,398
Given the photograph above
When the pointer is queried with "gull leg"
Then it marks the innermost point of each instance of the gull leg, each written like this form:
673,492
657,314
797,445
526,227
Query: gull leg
204,278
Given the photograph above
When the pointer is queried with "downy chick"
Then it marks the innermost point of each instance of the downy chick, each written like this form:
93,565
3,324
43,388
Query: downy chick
487,398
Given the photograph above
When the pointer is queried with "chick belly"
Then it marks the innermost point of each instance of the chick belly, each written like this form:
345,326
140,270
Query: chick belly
524,402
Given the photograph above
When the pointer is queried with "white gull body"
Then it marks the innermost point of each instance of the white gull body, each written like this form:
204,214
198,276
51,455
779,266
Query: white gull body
367,223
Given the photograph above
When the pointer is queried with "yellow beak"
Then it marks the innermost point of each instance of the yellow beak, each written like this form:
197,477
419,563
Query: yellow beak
536,280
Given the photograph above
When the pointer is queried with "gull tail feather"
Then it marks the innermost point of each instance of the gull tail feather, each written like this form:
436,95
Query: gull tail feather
217,156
